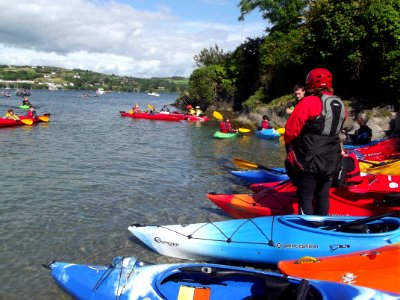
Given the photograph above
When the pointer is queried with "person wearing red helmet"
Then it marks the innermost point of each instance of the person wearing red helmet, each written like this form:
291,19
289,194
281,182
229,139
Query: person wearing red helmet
190,111
313,144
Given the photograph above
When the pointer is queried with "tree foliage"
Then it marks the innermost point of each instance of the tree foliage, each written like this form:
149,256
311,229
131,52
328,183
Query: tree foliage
212,56
357,40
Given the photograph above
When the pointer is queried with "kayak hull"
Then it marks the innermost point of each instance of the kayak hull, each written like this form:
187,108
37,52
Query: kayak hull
222,135
268,134
197,118
129,278
280,198
382,150
259,176
377,268
157,116
266,240
9,123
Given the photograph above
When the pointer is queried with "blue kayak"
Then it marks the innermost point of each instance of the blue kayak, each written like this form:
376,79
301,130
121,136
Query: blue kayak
267,240
261,175
268,134
128,278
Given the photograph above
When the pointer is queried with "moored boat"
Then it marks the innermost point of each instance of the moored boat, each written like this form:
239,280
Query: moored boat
129,278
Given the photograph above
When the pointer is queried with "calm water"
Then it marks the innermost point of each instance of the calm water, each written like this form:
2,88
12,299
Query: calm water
71,187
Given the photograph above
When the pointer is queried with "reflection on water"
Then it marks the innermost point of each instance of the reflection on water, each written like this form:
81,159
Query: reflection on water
70,188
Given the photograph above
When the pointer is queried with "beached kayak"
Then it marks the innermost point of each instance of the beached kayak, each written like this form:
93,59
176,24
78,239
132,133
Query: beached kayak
384,150
268,134
280,198
156,116
386,168
222,135
377,268
267,240
129,278
349,146
261,175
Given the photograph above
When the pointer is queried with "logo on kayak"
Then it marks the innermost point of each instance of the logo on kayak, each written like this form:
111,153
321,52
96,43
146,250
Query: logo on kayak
348,278
393,185
160,241
300,246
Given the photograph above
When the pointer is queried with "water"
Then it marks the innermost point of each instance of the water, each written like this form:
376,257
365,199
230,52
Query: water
71,187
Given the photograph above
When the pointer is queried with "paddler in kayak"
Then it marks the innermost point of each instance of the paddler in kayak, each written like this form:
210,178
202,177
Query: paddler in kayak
31,113
312,142
11,115
191,110
25,101
198,111
135,109
226,127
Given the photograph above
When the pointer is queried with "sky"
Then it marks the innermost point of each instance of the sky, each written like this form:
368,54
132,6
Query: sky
138,38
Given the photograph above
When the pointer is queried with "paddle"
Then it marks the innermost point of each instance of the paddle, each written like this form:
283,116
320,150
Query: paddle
245,164
219,117
361,221
27,121
281,130
151,107
44,118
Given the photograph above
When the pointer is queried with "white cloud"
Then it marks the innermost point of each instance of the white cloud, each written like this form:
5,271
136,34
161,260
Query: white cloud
109,37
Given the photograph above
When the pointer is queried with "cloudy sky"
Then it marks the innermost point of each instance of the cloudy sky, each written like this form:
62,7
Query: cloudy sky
139,38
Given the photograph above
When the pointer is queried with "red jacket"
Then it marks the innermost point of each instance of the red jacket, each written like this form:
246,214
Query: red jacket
309,107
225,127
264,124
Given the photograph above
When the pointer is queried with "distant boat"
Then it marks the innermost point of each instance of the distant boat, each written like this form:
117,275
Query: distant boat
100,91
23,92
153,94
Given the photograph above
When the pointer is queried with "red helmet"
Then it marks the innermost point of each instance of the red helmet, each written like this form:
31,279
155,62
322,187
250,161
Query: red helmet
189,107
318,78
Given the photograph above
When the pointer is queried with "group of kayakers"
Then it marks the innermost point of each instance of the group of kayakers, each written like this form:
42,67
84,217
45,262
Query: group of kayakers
31,113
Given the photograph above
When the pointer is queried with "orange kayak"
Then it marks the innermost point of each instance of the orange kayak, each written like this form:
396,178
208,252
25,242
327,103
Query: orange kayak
378,268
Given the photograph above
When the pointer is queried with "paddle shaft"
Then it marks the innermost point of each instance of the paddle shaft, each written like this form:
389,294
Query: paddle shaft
362,221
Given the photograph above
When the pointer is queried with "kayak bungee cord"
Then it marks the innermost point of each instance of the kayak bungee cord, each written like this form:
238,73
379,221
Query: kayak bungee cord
227,240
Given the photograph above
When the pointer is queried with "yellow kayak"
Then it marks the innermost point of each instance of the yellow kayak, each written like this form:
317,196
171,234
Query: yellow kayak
390,168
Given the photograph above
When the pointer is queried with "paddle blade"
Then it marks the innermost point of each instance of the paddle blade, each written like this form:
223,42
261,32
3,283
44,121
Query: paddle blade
151,107
281,130
44,118
244,130
27,121
217,115
244,164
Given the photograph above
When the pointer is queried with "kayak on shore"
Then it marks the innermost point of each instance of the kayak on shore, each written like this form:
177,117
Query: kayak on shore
280,198
268,240
377,268
130,278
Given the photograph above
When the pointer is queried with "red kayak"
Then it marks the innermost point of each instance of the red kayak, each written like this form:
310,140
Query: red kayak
279,198
156,116
197,118
11,123
385,149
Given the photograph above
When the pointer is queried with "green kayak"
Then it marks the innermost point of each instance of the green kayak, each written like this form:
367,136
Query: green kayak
24,106
221,135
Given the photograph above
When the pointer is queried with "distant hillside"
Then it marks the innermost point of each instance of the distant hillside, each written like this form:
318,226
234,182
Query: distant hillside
44,77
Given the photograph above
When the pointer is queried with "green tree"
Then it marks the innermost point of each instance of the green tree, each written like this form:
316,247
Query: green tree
284,15
210,84
212,56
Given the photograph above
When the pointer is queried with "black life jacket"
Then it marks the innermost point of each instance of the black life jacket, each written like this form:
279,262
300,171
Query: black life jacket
318,146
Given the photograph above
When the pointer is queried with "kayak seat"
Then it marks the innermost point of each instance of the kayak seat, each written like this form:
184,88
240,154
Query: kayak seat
282,289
